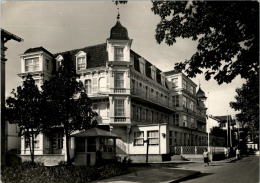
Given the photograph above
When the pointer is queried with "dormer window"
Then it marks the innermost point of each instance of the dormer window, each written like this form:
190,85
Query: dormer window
153,72
163,79
59,59
142,65
119,53
32,64
81,60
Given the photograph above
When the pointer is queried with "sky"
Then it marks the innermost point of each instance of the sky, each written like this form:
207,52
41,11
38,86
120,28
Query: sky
65,25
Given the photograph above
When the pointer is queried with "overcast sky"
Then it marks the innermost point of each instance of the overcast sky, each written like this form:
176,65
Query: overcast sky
63,25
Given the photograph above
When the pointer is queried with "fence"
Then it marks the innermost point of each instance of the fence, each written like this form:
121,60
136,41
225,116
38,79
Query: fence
195,149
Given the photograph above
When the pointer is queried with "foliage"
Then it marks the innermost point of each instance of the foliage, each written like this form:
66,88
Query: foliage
227,33
66,104
28,172
24,109
247,102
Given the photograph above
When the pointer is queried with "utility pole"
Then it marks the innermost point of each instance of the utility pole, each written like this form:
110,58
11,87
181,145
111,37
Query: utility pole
227,130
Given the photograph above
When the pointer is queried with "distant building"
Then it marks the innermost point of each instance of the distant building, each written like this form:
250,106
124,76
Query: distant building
134,99
5,37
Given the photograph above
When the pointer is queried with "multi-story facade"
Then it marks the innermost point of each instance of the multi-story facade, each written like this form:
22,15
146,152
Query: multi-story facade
138,102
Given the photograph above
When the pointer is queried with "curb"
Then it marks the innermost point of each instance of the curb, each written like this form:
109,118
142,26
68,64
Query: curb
195,174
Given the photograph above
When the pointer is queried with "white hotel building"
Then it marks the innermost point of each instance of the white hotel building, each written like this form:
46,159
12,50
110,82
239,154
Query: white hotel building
134,99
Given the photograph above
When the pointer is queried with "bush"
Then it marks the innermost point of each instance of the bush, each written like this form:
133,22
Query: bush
37,173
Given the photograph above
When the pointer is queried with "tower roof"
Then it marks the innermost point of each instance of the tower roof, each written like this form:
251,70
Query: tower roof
118,31
201,94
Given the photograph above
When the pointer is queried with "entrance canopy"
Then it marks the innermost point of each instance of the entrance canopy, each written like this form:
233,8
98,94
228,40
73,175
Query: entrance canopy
95,132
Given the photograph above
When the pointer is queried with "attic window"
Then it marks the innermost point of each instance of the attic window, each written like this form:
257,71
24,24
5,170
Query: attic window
81,60
142,65
163,78
153,72
59,59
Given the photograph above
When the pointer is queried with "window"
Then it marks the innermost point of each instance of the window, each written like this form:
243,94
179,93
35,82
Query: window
147,115
174,82
184,120
88,86
175,101
81,63
119,55
170,138
119,80
153,137
106,145
91,145
102,85
191,106
133,86
139,138
138,113
119,107
142,68
184,85
191,89
47,64
184,102
176,119
144,114
80,144
32,64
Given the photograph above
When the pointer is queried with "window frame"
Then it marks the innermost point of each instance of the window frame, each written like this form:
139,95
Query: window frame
139,137
118,56
149,138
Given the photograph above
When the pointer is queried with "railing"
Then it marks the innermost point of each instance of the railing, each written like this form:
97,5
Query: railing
119,90
195,149
119,119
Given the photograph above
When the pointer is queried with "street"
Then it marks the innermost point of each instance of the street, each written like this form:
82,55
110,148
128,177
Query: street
245,170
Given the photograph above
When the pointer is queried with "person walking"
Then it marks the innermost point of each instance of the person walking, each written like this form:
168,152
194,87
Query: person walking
206,157
237,154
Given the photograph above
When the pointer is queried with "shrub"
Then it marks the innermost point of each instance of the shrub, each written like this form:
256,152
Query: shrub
37,173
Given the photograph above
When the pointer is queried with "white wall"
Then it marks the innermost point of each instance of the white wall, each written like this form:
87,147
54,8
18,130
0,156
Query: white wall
153,149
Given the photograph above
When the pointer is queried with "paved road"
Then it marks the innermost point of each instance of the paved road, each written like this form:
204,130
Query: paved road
245,170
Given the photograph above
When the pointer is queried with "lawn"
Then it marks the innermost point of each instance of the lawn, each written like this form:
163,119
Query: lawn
37,173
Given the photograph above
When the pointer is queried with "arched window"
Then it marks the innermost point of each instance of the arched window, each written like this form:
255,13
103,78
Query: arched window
59,59
88,86
102,85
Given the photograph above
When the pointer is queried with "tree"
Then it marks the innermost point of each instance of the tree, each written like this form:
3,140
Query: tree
24,109
227,33
67,105
247,102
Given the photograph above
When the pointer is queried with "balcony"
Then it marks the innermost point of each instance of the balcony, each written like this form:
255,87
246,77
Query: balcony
151,98
120,120
122,91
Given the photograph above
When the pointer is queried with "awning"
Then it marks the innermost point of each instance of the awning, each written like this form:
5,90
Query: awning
95,132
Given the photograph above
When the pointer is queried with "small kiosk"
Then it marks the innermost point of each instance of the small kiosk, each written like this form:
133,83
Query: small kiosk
94,146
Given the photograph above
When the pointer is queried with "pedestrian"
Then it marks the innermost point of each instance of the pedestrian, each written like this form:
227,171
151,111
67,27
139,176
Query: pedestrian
237,154
226,152
206,157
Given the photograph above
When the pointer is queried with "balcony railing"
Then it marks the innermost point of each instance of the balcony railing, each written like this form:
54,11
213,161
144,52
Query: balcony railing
120,90
120,119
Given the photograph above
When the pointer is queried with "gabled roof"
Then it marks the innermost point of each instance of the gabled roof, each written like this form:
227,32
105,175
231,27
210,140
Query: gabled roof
37,49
